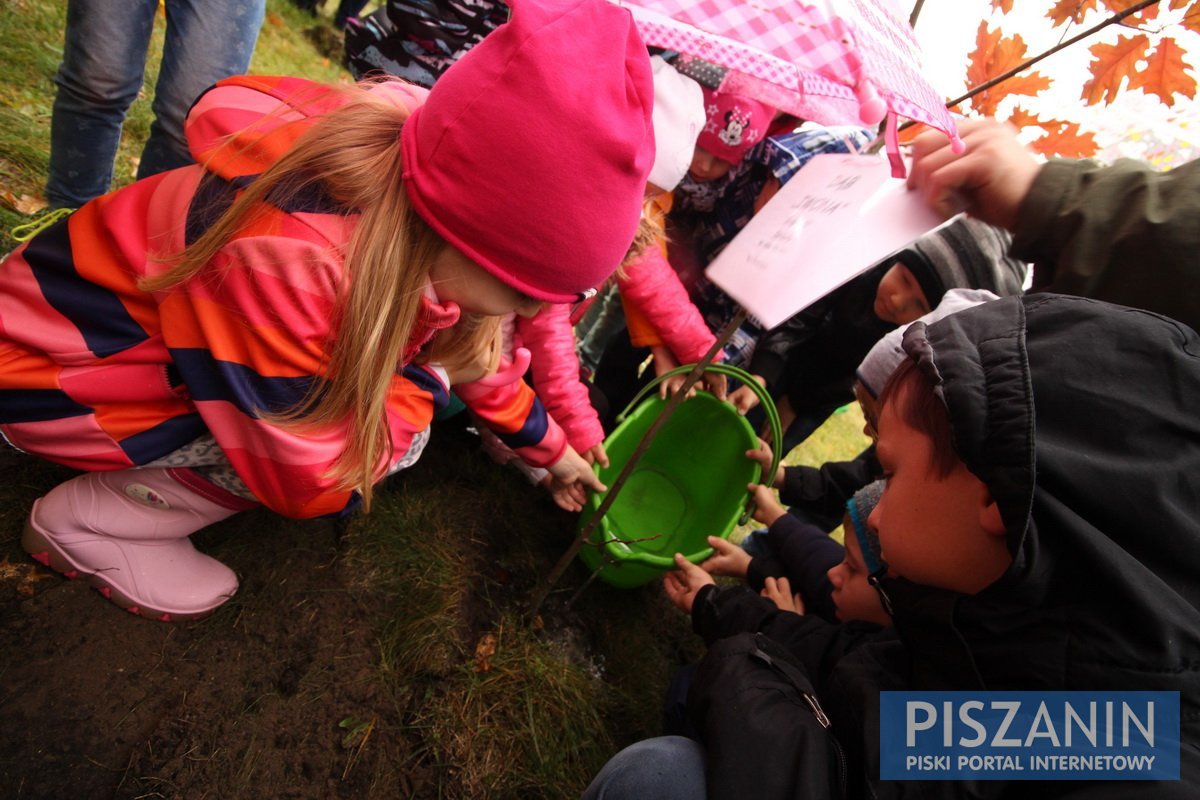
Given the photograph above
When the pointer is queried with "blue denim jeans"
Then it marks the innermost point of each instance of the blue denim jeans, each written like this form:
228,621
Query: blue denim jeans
104,61
666,768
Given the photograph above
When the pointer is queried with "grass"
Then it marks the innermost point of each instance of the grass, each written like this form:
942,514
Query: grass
493,706
32,33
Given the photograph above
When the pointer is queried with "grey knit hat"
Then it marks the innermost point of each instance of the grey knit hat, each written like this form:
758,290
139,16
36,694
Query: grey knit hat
966,254
858,508
886,354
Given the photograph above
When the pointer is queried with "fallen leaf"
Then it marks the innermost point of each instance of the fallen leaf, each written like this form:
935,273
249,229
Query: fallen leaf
25,575
484,650
29,205
25,204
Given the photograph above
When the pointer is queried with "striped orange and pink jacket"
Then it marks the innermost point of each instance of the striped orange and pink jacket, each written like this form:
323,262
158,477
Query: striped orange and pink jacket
97,374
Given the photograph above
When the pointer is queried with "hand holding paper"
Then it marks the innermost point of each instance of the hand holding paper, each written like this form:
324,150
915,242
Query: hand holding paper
837,217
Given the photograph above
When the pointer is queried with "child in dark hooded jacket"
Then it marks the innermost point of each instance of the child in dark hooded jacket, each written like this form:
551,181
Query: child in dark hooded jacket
1041,527
807,570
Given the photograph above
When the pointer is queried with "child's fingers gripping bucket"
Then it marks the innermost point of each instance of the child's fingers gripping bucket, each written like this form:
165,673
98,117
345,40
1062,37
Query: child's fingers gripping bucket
688,485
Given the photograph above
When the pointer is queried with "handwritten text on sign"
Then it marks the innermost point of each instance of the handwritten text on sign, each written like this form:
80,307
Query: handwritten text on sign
838,216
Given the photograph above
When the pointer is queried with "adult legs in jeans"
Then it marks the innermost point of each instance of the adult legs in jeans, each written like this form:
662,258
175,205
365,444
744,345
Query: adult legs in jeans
206,40
104,59
666,768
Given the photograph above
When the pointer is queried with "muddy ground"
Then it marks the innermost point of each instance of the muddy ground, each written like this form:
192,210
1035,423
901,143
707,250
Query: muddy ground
279,694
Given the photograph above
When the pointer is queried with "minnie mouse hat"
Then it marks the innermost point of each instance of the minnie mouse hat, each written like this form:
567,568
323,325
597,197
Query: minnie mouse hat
734,124
531,153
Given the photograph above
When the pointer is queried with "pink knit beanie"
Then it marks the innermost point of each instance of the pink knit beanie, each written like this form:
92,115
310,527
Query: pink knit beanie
735,123
532,152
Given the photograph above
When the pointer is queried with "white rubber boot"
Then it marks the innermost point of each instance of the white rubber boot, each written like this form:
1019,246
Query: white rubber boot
127,533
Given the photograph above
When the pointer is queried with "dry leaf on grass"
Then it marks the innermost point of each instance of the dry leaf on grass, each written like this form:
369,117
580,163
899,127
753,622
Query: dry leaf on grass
484,650
23,574
24,204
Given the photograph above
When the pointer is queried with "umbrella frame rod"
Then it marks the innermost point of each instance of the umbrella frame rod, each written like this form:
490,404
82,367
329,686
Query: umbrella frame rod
611,495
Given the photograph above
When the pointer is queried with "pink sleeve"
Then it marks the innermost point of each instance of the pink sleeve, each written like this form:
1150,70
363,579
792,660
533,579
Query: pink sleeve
513,412
551,343
651,286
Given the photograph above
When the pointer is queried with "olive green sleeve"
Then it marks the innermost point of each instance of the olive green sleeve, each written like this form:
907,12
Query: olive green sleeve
1124,233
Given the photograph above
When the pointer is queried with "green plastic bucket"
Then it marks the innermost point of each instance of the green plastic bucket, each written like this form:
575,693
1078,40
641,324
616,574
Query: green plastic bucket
688,485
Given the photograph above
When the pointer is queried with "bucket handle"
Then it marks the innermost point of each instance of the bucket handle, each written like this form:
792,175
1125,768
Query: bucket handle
760,391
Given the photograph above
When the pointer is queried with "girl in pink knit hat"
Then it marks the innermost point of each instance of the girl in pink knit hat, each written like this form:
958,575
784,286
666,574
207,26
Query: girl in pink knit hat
279,325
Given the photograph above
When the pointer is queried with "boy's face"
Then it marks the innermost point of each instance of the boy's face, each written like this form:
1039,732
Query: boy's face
870,410
707,167
899,298
854,597
942,532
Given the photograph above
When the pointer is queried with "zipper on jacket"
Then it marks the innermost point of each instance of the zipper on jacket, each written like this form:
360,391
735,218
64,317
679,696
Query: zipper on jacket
883,595
816,709
818,713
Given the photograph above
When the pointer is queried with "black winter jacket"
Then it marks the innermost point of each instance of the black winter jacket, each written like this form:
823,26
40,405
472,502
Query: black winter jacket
1083,419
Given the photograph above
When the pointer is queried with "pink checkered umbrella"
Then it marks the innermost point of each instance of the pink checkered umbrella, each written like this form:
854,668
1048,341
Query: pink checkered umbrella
831,61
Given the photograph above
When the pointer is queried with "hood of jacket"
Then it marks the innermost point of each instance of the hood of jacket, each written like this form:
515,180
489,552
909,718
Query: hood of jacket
1081,417
243,124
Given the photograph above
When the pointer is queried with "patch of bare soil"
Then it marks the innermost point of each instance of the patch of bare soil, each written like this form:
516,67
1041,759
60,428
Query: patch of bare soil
276,695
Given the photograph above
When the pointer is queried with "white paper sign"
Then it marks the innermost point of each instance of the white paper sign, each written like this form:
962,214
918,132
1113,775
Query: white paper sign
835,218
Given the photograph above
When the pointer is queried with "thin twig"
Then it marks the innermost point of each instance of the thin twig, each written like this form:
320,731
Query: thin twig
1115,18
916,12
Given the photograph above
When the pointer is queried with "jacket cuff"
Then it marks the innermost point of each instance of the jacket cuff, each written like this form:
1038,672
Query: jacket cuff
768,365
797,484
721,611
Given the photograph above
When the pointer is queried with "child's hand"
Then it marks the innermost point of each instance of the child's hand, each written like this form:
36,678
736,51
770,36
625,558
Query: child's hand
779,591
764,457
712,382
716,384
744,398
664,362
572,477
596,455
729,559
672,385
682,584
766,506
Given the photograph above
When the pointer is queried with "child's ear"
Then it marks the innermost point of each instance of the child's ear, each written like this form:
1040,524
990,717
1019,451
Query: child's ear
990,518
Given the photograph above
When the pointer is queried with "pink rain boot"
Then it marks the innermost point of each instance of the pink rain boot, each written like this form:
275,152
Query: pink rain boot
127,532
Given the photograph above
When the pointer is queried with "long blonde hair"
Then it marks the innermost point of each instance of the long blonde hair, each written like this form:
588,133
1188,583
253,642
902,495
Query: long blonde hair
353,153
